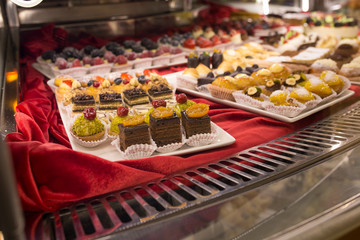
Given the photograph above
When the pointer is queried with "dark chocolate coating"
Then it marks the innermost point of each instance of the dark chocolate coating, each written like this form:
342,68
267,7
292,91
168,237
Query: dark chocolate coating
217,59
193,62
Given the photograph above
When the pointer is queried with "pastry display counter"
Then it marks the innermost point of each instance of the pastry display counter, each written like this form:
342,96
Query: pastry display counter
272,182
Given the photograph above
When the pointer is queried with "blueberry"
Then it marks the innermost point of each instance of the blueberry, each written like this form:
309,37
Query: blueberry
249,69
255,66
210,75
97,53
129,43
118,81
137,48
227,73
142,79
110,46
90,83
249,57
239,69
88,49
163,40
48,55
69,52
118,51
175,43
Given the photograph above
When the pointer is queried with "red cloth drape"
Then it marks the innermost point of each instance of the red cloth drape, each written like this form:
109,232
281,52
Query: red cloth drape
51,175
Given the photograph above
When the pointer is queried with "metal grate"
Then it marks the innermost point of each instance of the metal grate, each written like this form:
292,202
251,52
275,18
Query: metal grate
207,183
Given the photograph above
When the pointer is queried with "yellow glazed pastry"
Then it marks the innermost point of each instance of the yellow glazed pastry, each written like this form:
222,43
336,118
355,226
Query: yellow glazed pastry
302,95
244,81
279,71
333,80
281,98
261,76
225,82
318,86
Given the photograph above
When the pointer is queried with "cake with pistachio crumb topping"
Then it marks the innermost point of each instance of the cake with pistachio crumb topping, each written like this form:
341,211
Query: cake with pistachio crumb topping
88,127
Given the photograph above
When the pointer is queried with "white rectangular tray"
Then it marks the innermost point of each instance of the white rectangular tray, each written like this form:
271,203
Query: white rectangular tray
346,94
109,152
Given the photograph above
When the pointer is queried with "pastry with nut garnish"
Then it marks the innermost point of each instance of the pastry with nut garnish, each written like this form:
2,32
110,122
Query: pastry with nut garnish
290,82
254,92
88,127
271,86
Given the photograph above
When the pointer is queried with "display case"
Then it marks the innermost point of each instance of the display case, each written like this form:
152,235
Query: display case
277,177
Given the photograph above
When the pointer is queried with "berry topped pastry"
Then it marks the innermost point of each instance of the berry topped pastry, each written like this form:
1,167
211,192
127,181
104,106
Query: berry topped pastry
88,127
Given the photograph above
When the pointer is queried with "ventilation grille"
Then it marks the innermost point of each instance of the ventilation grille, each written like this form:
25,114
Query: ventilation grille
204,184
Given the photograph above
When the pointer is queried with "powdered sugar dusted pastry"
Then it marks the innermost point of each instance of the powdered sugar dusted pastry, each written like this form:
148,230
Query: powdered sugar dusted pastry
351,69
324,64
318,86
333,80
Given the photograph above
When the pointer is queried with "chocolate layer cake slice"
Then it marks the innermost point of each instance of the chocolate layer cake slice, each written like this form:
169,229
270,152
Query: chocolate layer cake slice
135,96
110,101
82,101
165,130
161,91
138,134
193,126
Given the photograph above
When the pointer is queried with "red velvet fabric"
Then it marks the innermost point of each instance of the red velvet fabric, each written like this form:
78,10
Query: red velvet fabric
51,175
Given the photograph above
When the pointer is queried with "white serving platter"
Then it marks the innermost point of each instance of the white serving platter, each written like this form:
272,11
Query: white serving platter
346,94
109,152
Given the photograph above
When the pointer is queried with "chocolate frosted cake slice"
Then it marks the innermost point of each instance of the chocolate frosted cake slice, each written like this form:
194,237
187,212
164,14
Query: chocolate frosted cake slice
161,91
82,101
165,130
138,134
135,96
109,101
193,126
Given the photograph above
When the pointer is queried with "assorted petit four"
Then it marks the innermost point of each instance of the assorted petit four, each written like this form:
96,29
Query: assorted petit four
165,126
133,131
87,126
195,119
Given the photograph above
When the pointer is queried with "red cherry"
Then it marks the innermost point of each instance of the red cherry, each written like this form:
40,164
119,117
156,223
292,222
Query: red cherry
96,84
148,80
89,113
125,81
158,103
181,98
122,111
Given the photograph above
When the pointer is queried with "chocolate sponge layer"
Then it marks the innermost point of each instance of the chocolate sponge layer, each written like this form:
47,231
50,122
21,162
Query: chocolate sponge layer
138,134
165,130
193,126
